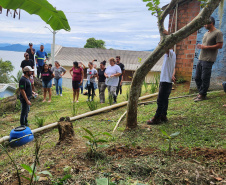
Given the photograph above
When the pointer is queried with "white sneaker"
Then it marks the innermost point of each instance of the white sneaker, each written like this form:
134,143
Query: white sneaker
60,94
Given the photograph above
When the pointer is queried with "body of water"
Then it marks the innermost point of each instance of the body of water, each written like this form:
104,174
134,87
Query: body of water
14,57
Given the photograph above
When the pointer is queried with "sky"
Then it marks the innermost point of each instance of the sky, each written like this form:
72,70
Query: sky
122,24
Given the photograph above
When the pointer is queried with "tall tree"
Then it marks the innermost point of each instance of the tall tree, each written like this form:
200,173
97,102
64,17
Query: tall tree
93,43
5,68
166,42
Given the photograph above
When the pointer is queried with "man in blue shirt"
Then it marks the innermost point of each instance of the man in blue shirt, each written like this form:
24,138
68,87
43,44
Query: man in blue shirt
40,58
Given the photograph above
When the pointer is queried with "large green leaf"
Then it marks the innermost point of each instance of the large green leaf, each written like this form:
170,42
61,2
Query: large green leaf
55,18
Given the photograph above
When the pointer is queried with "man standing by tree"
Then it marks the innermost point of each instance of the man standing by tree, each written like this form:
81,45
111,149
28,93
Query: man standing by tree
31,52
25,94
28,62
40,57
212,41
165,86
121,76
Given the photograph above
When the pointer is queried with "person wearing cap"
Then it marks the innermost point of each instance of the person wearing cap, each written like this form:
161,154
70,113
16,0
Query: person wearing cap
212,41
28,62
40,57
25,94
31,52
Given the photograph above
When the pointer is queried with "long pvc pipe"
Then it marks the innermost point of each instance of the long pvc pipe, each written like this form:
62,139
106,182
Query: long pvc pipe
52,125
109,107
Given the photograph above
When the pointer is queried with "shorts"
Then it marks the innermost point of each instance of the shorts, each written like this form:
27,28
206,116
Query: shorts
75,84
46,84
31,79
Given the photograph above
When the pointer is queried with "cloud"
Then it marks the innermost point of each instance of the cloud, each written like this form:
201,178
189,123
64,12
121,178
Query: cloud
123,24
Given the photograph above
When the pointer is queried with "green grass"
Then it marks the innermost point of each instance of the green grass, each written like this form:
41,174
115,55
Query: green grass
201,124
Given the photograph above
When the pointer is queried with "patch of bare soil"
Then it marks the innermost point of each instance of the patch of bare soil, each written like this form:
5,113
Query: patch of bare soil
127,152
205,154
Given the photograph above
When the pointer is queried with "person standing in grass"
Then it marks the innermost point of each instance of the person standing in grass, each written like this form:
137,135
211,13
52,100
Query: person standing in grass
166,78
112,74
77,79
212,41
101,81
91,74
31,52
80,64
59,72
28,62
40,57
121,65
47,76
25,94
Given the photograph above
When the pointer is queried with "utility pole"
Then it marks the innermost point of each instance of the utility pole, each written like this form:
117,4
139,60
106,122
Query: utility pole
53,51
53,45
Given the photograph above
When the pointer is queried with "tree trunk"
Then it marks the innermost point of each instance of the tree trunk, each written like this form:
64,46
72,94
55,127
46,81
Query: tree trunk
165,44
66,131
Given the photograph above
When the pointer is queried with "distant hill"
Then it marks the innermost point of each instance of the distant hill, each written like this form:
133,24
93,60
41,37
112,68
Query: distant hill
23,48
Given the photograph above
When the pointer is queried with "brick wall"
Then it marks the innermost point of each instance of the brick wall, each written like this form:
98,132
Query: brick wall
185,50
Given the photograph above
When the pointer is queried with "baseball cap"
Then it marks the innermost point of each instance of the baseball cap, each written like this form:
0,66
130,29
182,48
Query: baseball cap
27,69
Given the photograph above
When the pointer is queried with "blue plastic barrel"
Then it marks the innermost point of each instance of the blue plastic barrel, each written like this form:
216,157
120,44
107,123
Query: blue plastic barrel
20,132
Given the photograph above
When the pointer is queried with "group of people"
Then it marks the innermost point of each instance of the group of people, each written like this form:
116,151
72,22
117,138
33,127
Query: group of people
111,77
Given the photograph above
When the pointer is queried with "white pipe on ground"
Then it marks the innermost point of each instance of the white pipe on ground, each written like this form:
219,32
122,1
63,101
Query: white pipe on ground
109,107
52,125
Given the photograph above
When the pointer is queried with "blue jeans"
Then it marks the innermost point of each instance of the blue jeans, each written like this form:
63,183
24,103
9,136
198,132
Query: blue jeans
25,108
58,84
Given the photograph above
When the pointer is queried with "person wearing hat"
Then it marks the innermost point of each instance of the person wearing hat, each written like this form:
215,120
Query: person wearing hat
212,41
31,52
28,62
25,94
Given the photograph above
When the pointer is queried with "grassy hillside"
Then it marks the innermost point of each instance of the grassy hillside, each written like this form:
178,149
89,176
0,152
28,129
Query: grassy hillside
139,155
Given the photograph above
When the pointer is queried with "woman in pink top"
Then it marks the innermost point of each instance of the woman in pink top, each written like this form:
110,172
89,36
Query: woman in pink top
77,78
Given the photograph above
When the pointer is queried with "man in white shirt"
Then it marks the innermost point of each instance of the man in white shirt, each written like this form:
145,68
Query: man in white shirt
165,86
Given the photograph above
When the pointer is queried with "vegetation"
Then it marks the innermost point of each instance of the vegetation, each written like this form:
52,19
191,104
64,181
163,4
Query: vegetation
18,76
55,18
6,68
93,43
92,105
134,156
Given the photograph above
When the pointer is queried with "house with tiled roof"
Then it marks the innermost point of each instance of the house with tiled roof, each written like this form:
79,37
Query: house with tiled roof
131,59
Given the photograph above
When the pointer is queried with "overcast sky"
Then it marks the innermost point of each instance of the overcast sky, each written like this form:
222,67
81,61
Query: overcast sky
122,24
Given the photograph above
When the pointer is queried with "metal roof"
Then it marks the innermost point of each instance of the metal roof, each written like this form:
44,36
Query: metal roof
131,59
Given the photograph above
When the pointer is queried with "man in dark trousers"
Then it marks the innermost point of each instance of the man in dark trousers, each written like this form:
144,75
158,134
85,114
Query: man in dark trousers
40,57
28,62
119,88
31,52
25,94
212,41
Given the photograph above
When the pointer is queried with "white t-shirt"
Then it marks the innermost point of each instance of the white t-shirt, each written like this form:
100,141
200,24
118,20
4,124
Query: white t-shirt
168,67
111,70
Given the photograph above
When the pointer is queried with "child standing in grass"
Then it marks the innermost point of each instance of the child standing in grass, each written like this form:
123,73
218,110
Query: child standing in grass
165,86
47,76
